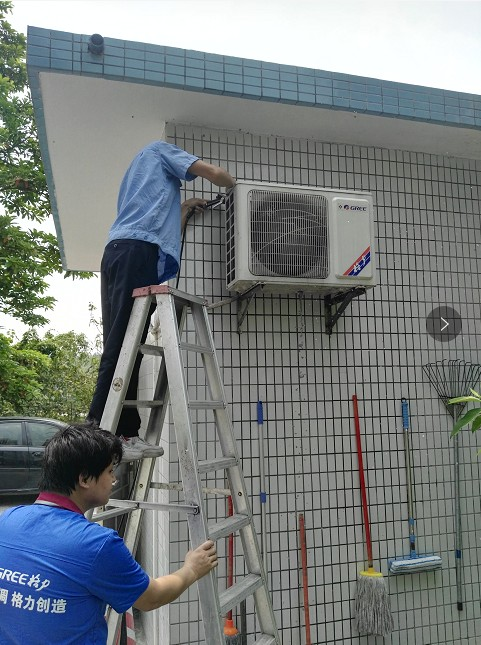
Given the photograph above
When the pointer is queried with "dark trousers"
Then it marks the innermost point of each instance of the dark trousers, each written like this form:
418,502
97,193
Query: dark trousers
126,265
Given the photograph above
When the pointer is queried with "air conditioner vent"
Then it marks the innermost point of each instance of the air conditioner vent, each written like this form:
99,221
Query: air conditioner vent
288,234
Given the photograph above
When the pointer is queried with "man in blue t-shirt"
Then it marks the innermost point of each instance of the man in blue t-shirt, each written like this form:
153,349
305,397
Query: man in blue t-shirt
143,248
58,570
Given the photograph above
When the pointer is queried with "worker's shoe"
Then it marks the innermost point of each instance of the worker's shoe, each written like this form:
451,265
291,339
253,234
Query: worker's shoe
135,448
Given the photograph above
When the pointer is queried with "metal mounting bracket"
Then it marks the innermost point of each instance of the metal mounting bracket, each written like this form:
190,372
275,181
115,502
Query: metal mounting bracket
242,301
343,299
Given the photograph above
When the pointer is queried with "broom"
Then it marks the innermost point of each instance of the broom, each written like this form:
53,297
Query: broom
413,563
372,606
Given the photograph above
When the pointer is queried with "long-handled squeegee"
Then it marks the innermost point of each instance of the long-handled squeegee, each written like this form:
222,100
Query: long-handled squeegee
413,563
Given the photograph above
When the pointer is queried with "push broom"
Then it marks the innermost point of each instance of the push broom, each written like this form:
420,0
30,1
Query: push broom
413,563
372,605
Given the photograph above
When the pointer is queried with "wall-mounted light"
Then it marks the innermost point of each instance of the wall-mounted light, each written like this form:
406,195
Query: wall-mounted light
96,44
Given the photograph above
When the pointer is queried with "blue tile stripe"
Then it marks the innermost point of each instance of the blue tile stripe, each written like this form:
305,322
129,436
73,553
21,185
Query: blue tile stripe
251,79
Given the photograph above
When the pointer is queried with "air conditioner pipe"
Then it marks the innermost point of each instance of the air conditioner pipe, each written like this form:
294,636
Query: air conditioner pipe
220,199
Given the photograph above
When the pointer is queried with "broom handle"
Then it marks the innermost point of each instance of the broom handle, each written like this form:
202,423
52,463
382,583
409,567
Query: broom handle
362,480
305,583
230,553
409,478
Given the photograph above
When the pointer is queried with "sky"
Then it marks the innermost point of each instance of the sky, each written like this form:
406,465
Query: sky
430,42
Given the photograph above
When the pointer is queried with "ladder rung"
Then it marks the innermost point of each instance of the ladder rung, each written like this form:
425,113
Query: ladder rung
225,492
234,595
206,405
143,404
129,505
219,463
196,348
151,350
114,512
228,526
265,639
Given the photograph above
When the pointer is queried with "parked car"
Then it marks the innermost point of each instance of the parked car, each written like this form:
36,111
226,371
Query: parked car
22,443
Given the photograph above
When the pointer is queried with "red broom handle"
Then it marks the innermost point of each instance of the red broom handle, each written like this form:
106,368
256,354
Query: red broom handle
302,532
362,480
230,554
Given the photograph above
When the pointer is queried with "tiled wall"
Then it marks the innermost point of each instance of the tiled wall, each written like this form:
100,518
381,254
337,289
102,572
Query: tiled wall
427,212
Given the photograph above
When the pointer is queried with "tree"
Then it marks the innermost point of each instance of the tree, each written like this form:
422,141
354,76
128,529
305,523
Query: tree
27,255
20,386
51,377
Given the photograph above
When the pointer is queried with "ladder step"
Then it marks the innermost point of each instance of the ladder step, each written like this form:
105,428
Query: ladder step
107,515
151,350
201,349
219,463
228,526
225,492
143,404
265,639
206,405
234,595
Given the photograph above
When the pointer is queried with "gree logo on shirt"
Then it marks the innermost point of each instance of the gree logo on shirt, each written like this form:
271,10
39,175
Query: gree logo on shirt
28,602
24,579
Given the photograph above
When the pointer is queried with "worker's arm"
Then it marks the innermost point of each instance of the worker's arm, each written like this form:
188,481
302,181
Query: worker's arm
215,174
165,589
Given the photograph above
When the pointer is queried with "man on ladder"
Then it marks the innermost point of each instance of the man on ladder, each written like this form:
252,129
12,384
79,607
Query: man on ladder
143,249
144,207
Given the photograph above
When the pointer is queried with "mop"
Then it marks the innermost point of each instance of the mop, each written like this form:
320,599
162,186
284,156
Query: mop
372,605
413,563
455,379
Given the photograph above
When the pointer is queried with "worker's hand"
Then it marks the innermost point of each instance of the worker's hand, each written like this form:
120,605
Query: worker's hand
194,203
202,559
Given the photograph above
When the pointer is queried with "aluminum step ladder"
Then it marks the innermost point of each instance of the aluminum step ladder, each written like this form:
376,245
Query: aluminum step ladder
172,307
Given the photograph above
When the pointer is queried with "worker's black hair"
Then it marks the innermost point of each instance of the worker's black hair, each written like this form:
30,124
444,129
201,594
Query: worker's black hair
74,451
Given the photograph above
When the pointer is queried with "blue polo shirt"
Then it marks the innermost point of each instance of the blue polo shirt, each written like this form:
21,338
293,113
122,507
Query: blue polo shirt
148,206
58,571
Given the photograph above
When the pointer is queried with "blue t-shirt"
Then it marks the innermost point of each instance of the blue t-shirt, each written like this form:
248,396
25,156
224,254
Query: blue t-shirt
148,206
58,571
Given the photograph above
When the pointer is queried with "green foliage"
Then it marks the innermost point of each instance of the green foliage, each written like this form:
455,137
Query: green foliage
20,386
21,289
51,377
28,255
54,376
472,417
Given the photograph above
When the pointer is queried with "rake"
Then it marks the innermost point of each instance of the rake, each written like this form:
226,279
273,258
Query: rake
452,379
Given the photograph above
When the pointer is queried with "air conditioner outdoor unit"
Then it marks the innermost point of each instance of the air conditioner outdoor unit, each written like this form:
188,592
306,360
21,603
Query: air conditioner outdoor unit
297,238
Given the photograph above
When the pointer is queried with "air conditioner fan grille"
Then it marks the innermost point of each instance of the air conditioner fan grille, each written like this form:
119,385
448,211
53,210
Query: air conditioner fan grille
288,234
